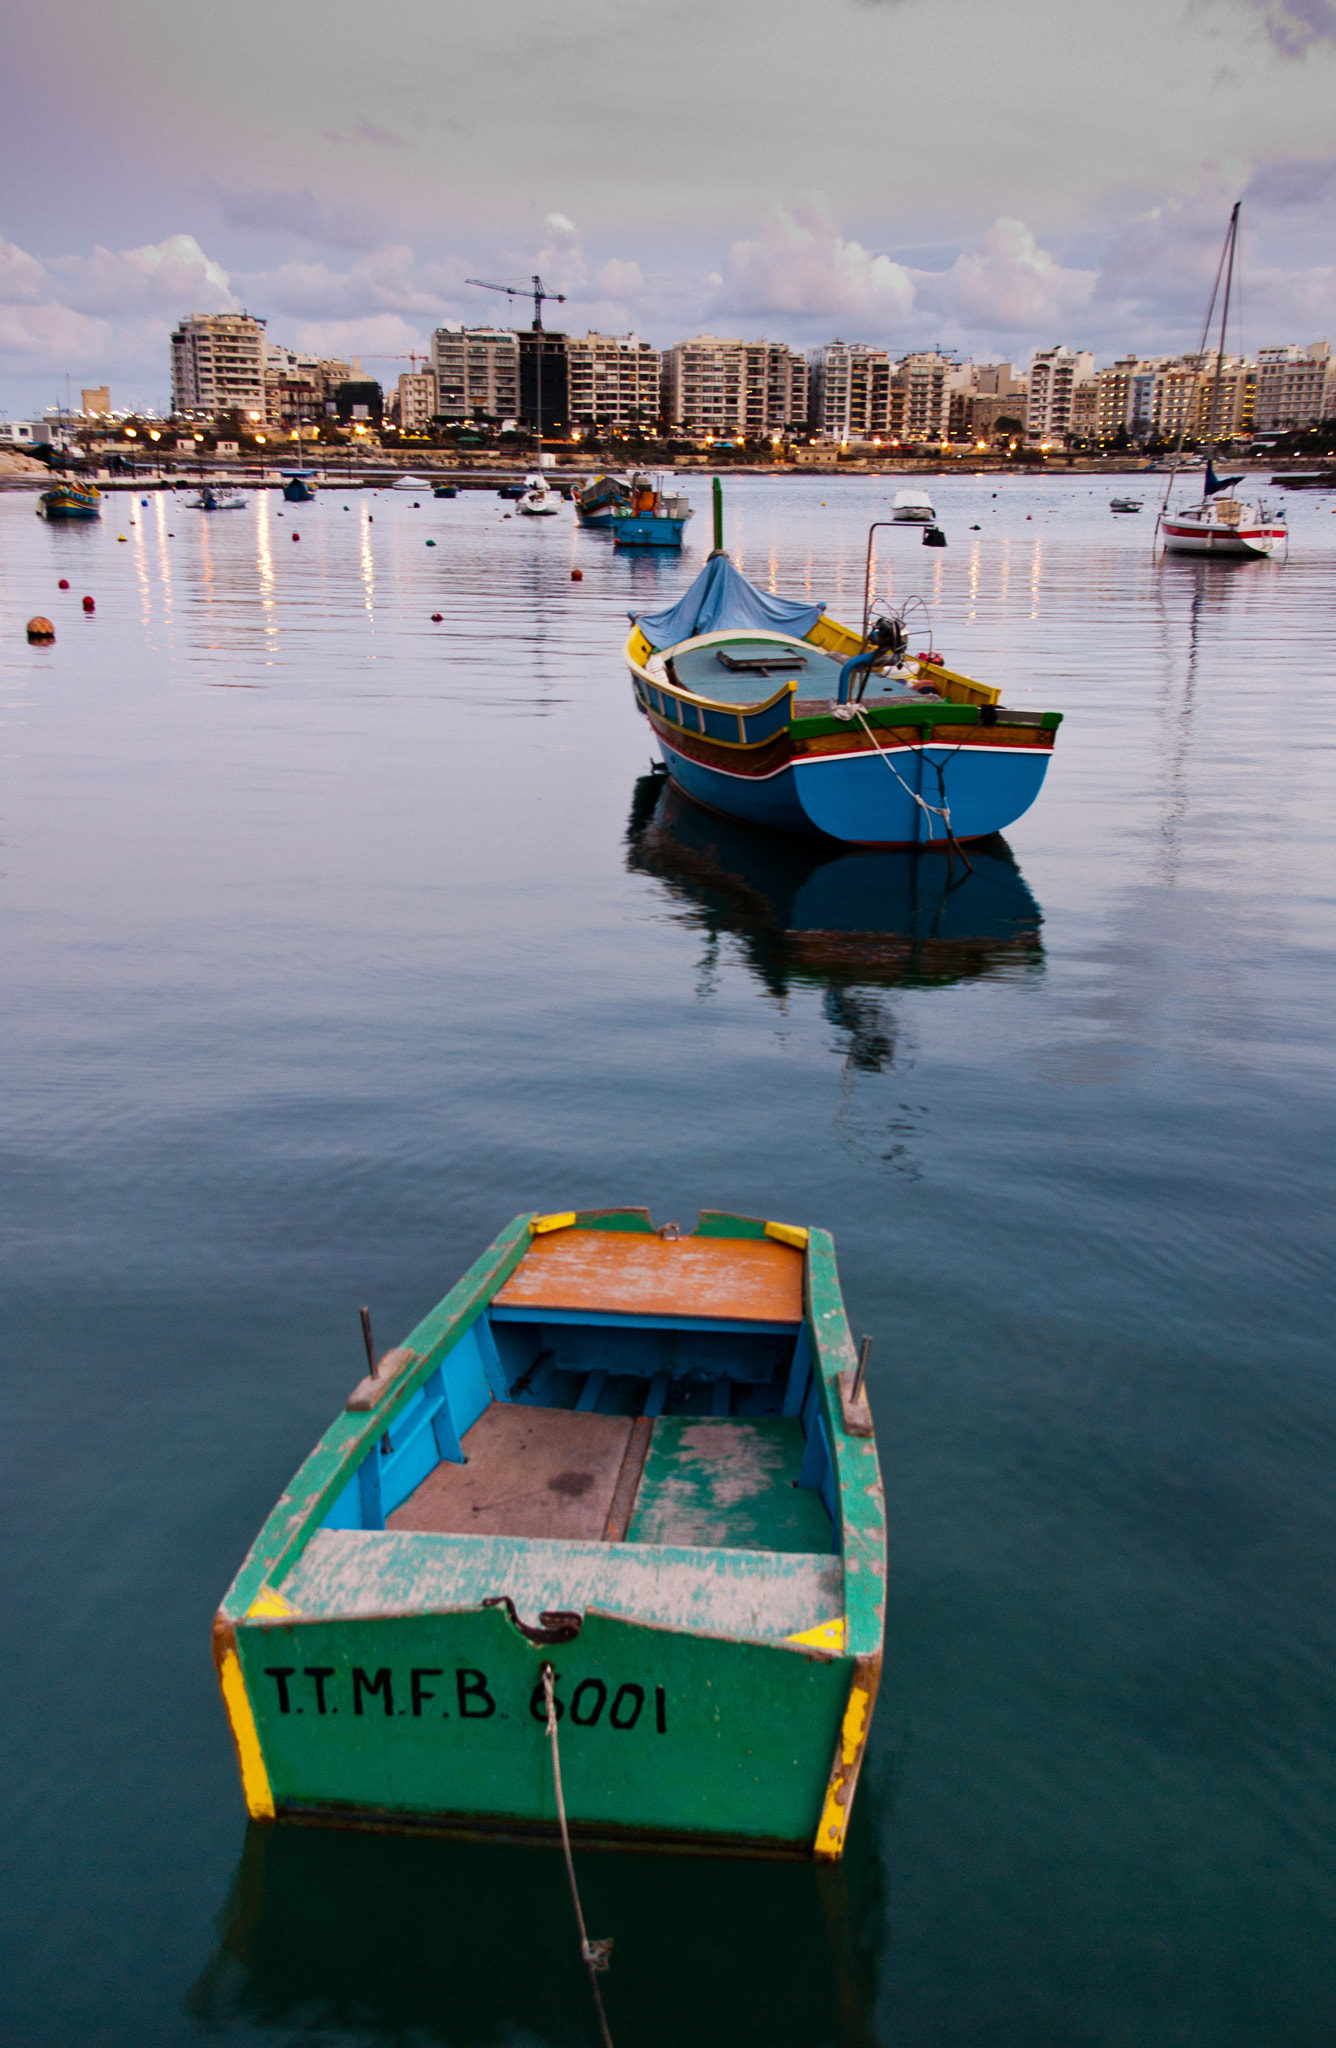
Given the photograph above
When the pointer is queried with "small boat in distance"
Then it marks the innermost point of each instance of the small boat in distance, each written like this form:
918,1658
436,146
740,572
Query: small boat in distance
598,501
654,518
445,490
1222,524
71,499
912,508
217,498
1126,504
538,500
299,486
768,711
636,1465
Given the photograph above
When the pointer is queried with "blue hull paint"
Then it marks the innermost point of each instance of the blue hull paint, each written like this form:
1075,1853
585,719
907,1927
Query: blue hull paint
298,493
857,799
649,530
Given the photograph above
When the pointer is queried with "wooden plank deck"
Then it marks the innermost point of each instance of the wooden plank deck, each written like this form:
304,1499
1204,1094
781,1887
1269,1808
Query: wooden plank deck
730,1485
530,1472
623,1272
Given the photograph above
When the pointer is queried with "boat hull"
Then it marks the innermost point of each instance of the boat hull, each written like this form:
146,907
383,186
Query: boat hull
1191,537
868,798
648,530
298,493
68,508
435,1722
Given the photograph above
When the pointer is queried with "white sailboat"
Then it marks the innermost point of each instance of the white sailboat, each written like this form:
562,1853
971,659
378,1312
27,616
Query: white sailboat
538,500
1222,524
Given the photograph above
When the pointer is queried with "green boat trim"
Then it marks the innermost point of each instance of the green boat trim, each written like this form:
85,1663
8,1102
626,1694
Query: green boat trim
715,1621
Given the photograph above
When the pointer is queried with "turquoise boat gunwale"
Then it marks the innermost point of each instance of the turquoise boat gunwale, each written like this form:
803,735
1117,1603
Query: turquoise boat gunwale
255,1610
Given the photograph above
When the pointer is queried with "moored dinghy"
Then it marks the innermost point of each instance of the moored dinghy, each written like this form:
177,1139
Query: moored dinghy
640,1457
768,711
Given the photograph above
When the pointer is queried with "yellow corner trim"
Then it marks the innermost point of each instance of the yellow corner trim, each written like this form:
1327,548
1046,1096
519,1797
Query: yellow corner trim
254,1776
540,1225
788,1233
835,1813
827,1635
269,1606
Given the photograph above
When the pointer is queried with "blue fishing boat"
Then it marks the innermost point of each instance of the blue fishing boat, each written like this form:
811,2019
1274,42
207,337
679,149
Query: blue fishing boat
654,518
445,490
299,486
73,499
767,710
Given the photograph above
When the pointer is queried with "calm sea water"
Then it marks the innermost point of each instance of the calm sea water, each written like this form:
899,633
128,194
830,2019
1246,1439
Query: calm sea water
333,937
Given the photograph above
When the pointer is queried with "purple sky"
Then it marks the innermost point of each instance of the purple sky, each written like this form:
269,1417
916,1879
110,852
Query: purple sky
987,174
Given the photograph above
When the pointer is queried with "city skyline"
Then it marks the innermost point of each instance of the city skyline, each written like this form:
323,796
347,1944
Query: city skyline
1060,187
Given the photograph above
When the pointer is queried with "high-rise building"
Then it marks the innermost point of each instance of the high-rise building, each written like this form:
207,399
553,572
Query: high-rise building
920,397
299,389
477,372
218,365
849,391
703,385
417,400
613,380
545,383
728,387
1054,374
1296,388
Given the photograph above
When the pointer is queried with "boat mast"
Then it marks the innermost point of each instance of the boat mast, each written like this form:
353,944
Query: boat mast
1224,321
1227,250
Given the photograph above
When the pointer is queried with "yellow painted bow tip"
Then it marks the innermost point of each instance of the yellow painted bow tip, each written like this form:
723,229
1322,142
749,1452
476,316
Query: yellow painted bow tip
827,1635
269,1606
540,1225
788,1233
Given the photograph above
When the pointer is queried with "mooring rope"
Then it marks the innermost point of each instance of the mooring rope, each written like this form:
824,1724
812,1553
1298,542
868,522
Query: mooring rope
942,810
596,1955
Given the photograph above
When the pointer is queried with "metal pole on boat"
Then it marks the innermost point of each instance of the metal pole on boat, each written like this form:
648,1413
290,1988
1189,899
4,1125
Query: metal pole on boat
718,517
368,1340
861,1374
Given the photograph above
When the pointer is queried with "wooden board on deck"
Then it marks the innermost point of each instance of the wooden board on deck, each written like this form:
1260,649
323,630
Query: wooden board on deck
530,1472
734,1278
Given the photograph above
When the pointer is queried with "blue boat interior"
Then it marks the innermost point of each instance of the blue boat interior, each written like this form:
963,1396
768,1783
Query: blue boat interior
748,671
609,1427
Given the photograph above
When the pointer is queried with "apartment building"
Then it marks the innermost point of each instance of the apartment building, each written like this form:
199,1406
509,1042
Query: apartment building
775,389
1054,375
1296,388
218,365
299,389
612,379
849,392
920,396
703,385
477,372
417,400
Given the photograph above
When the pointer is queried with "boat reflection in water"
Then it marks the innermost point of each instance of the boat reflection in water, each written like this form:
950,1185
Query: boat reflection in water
814,913
331,1934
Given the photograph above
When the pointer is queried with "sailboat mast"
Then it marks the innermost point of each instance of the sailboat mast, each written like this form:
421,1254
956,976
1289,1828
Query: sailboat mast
1224,321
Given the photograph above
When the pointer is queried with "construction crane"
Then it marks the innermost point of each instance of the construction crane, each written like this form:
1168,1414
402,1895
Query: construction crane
411,355
523,291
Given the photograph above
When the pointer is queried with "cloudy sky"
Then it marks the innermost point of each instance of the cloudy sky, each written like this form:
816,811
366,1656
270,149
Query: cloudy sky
993,175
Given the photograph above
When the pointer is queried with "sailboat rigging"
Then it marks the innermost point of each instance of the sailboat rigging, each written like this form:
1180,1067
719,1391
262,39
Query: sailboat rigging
1222,524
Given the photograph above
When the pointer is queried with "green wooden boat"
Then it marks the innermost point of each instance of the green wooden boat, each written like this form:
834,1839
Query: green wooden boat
639,1455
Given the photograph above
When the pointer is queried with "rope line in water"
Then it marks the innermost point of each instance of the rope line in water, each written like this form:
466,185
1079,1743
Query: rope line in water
596,1955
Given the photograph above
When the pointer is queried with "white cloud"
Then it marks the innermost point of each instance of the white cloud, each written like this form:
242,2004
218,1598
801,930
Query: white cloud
1010,285
562,225
800,263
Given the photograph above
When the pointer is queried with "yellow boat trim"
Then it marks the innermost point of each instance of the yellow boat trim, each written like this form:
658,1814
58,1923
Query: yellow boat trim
269,1606
254,1776
827,1635
788,1233
835,1813
540,1225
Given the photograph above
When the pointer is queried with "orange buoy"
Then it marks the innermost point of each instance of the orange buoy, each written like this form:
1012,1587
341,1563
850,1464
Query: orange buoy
577,575
41,632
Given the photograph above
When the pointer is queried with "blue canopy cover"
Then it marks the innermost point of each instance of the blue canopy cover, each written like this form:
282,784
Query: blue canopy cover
722,600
